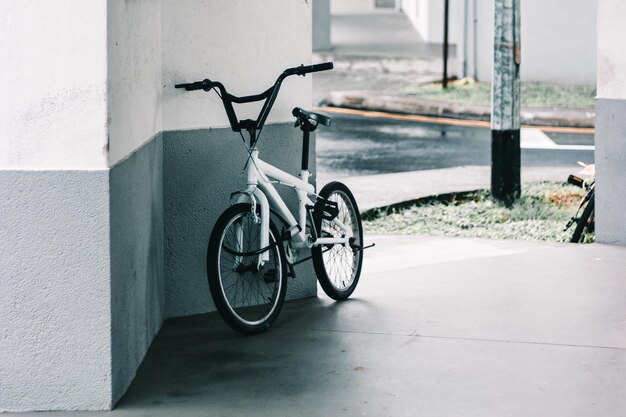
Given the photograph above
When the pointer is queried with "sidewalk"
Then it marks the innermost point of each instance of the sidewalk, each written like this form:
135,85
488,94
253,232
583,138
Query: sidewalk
374,191
437,327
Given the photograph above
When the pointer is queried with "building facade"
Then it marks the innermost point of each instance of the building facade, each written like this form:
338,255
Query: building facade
111,179
558,37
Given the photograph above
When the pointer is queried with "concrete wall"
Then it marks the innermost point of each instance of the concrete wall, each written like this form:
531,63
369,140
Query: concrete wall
54,75
203,166
134,75
610,136
243,44
136,183
55,337
55,341
427,18
137,254
321,25
82,219
351,6
558,41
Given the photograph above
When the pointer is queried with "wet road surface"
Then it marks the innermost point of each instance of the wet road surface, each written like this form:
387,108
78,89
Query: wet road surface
357,145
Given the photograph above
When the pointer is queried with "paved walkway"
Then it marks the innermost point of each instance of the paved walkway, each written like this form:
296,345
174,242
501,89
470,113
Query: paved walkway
372,191
437,327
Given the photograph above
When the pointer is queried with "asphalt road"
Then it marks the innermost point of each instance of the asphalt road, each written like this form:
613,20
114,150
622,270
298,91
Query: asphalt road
357,145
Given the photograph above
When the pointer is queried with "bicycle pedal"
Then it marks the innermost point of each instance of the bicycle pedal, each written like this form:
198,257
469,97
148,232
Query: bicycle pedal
570,223
291,272
325,209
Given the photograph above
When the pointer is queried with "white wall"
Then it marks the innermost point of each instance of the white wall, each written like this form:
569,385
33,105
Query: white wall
321,25
558,36
135,180
246,51
427,18
53,108
134,75
351,6
246,45
86,85
610,123
417,12
611,49
558,41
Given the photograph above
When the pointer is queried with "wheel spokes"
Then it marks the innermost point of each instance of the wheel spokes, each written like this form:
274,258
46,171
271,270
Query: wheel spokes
341,262
250,292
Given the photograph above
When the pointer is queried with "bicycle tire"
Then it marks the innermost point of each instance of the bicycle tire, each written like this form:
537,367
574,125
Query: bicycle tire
584,221
328,261
248,299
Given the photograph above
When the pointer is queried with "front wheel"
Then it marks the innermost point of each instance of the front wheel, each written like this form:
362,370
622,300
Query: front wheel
338,267
247,296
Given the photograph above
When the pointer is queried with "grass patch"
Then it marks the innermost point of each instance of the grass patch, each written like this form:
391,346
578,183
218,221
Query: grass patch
540,214
533,94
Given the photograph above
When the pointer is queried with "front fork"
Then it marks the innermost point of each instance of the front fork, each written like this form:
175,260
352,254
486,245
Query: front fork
255,197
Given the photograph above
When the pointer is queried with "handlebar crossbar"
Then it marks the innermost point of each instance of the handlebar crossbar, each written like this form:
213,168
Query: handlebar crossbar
268,95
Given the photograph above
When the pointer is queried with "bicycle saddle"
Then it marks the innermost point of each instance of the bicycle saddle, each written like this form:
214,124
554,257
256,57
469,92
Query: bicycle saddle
316,117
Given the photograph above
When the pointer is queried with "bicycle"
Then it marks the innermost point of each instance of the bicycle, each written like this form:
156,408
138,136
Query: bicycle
248,258
585,224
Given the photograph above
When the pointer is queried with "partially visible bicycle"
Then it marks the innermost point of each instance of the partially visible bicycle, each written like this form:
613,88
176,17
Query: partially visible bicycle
256,242
584,219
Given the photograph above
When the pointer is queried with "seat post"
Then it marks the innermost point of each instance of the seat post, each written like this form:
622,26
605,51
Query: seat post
306,131
307,127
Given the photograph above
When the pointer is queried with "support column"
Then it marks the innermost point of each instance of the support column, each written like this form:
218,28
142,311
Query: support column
610,138
505,114
55,299
81,227
321,25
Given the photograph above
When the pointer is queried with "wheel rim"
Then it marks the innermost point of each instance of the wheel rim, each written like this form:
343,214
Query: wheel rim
340,262
250,295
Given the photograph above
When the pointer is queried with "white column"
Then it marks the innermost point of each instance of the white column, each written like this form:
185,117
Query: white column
611,124
54,206
321,25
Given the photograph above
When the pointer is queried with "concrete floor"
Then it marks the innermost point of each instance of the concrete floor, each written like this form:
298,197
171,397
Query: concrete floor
437,327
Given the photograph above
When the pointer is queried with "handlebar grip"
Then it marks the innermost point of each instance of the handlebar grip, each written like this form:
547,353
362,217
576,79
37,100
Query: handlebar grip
574,180
317,67
205,85
302,69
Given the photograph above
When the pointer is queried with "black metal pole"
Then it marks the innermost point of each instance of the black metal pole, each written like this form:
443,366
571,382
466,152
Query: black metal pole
445,42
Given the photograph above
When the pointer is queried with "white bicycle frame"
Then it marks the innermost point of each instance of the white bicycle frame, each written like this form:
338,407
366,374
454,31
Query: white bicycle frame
261,191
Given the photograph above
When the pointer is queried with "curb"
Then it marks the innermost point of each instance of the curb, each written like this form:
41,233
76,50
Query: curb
368,100
425,67
450,197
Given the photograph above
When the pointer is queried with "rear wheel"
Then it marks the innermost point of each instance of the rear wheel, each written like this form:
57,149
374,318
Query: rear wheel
586,222
248,297
338,267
